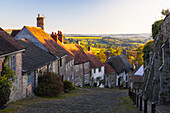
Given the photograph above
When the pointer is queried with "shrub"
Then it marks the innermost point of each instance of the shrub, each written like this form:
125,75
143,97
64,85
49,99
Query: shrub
6,79
95,84
4,91
67,86
49,84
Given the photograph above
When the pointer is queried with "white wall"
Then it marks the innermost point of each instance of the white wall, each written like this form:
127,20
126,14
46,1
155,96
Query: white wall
123,75
98,74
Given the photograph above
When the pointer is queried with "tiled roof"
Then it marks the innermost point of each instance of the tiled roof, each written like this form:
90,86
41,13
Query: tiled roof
94,61
34,57
80,55
137,78
14,32
120,63
57,49
7,43
108,68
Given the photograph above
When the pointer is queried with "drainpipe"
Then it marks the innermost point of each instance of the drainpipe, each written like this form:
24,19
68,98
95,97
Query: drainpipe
83,74
59,67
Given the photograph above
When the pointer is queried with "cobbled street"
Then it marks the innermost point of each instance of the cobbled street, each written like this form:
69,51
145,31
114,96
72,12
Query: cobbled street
93,100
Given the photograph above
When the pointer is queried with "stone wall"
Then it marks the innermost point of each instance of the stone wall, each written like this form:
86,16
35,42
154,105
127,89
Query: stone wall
16,89
157,70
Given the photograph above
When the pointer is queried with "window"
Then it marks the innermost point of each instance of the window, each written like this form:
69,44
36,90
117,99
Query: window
12,62
86,77
51,67
86,65
162,56
76,67
60,62
94,70
28,79
66,66
77,81
99,69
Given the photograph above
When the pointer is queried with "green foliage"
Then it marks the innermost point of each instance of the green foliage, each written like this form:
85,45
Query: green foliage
4,90
147,49
139,57
6,70
49,84
165,11
101,82
5,82
67,86
156,28
95,84
101,56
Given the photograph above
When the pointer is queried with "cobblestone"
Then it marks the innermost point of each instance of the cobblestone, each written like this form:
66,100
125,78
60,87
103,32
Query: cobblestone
94,101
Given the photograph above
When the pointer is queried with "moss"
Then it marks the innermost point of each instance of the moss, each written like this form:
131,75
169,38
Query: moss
127,104
156,28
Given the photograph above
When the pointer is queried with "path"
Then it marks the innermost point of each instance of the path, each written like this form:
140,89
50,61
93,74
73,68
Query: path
93,100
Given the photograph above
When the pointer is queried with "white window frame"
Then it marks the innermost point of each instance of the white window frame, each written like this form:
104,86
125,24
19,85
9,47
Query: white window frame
77,67
12,62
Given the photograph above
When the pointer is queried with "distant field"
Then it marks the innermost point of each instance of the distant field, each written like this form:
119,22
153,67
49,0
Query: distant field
83,37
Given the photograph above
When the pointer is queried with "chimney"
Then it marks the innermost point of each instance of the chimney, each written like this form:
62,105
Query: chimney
60,37
89,48
54,36
40,21
78,42
108,54
125,53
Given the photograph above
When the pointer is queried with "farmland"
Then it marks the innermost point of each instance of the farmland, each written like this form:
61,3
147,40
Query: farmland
83,38
104,42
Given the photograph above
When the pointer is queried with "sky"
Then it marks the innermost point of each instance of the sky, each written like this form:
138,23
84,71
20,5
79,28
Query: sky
84,16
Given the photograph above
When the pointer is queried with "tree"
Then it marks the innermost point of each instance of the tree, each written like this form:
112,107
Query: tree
118,51
165,12
101,56
139,57
147,49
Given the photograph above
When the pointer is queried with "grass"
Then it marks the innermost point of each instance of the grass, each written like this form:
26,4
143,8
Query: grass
126,105
15,106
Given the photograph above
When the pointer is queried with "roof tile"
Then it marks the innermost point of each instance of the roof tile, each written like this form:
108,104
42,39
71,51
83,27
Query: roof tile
108,68
7,43
94,61
80,55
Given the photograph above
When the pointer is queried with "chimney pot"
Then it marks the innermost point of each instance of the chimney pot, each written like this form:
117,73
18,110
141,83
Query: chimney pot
55,34
40,21
52,33
108,54
89,48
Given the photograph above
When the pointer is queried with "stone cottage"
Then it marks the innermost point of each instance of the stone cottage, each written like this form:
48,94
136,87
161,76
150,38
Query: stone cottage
122,67
35,62
96,67
43,40
69,60
157,69
109,76
11,48
81,65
